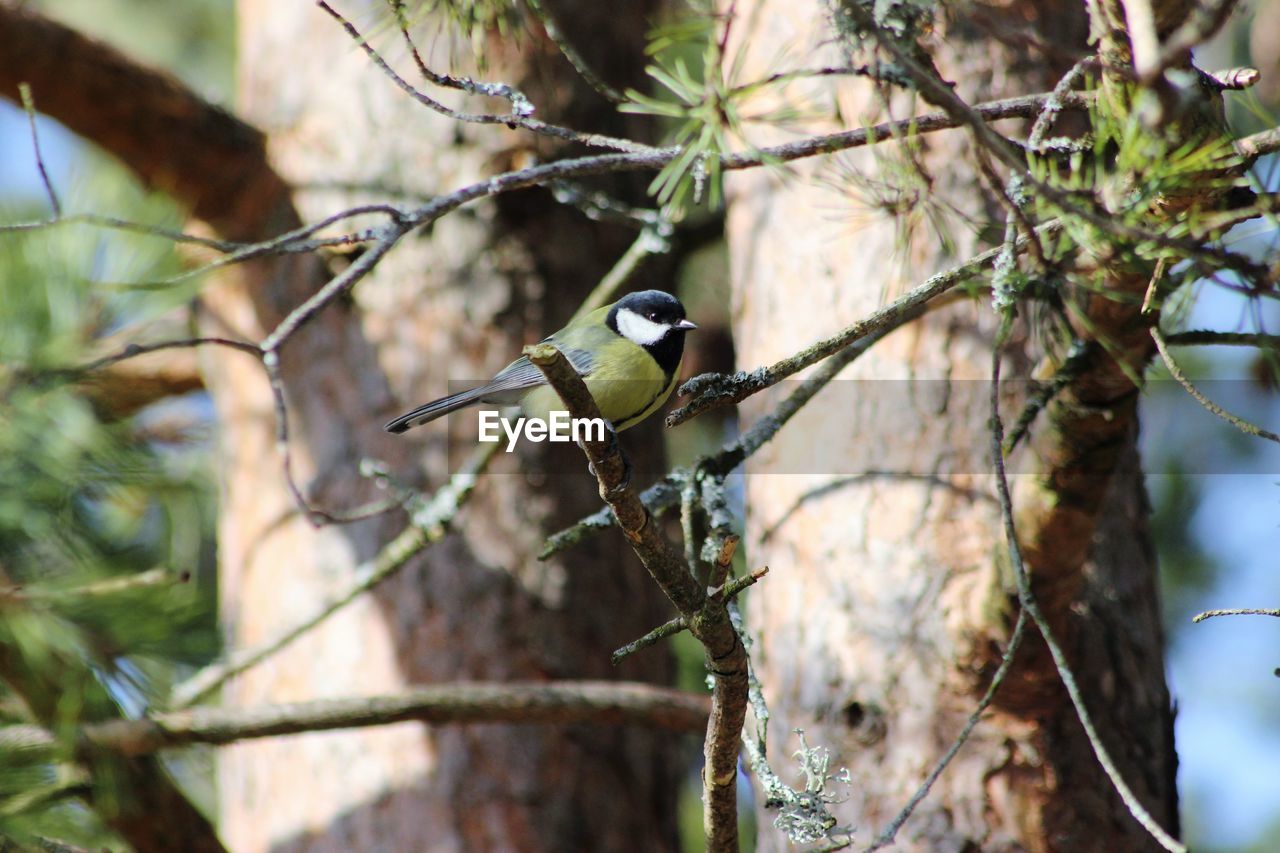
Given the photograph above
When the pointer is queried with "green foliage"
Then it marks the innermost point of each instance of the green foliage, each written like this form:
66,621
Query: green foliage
688,65
477,21
701,101
1134,169
83,501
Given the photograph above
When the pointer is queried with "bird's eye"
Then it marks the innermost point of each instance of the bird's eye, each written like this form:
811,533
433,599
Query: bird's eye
652,315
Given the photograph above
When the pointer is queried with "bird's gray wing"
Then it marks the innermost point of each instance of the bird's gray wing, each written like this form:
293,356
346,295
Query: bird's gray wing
505,389
520,375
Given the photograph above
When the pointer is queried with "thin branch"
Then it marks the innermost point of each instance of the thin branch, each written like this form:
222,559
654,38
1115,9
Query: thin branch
1057,100
75,374
98,589
1206,337
1256,145
1176,372
430,521
1242,611
521,110
803,74
29,107
1023,106
1202,22
886,836
1032,607
1077,361
657,499
295,242
113,223
519,103
1079,204
678,624
80,81
594,80
707,616
712,390
1235,79
650,241
271,345
599,702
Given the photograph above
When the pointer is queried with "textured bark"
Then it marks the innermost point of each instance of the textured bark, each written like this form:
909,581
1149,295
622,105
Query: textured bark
889,599
454,303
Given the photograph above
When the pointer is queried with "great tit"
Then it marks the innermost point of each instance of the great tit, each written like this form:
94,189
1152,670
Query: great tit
628,353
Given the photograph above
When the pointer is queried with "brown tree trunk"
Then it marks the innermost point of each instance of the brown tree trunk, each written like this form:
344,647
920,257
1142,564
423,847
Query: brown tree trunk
889,598
456,302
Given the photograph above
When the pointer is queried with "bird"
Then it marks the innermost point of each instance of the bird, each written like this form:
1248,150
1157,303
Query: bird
628,354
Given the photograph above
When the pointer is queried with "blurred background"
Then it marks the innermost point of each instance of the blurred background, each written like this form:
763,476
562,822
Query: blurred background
86,494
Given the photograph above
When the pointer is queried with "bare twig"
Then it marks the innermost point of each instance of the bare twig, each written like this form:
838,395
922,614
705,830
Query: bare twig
1235,79
594,80
601,702
1203,20
1206,337
803,74
75,374
29,107
648,242
430,520
103,588
1259,144
271,345
1077,360
678,624
521,110
1032,607
707,616
712,390
294,242
117,224
657,499
886,836
1176,372
1082,205
1242,611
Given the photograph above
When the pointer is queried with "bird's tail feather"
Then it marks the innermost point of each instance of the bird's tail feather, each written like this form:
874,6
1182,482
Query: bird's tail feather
436,409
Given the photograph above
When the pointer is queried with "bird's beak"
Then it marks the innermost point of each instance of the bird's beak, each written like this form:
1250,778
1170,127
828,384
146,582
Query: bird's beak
685,325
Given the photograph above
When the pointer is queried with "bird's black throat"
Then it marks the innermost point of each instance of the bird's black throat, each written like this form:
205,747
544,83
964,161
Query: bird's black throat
668,350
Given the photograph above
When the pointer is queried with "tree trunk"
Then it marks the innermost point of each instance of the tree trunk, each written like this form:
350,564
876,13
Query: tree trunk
889,599
456,302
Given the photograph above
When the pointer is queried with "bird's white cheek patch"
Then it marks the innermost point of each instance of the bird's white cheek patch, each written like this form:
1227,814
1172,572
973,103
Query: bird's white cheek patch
639,329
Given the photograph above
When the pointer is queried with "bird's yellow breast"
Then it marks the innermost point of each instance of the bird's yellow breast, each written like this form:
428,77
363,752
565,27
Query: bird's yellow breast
625,399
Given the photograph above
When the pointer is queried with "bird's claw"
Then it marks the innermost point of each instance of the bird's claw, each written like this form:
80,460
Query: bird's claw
614,447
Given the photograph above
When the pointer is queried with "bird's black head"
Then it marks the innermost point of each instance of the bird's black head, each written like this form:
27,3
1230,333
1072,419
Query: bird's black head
654,320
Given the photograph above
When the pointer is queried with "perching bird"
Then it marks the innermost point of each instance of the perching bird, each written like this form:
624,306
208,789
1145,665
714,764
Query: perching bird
628,353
